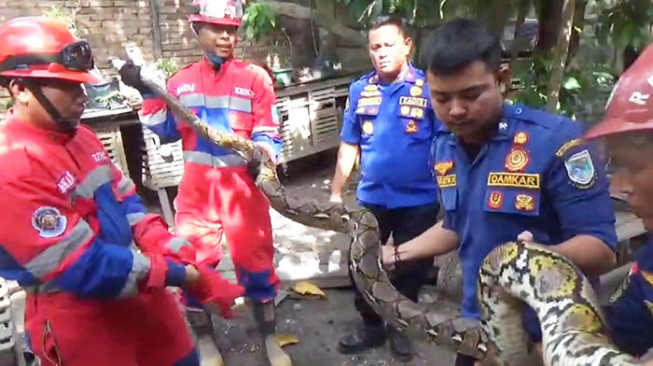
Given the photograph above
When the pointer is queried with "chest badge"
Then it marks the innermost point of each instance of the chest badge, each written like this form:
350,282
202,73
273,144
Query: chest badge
368,127
415,91
517,159
411,127
49,222
495,200
443,167
580,170
521,138
371,88
524,202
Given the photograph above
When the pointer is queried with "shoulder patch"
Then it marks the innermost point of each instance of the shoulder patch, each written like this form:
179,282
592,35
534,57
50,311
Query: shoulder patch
49,222
580,169
568,145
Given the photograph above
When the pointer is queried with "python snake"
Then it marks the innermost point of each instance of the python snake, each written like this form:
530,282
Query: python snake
573,326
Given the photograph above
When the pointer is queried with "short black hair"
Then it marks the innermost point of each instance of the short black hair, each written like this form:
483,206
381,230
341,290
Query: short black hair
459,42
395,20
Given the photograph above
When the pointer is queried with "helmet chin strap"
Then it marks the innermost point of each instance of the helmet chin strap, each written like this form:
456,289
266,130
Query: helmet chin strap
215,60
63,125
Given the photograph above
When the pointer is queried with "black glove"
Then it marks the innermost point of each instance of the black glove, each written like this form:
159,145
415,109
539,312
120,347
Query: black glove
131,76
254,164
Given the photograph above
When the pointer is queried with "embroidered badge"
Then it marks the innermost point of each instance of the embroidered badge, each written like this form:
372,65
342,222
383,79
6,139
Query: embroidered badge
416,91
495,200
524,202
519,180
49,222
411,127
443,167
368,127
521,138
447,181
517,159
404,110
580,170
66,182
417,113
419,82
371,88
366,102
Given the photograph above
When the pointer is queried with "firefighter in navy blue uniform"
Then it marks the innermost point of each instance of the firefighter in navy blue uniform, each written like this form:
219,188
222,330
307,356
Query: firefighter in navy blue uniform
390,119
506,172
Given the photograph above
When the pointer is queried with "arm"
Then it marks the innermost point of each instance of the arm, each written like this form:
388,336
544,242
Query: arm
347,154
349,147
150,232
437,240
45,242
583,207
265,128
156,116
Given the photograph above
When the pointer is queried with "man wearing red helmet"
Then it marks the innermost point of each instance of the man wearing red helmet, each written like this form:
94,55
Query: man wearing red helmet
74,233
628,131
217,195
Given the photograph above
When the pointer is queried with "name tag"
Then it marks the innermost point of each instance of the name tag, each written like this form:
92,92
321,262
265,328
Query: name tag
366,102
447,181
520,180
413,102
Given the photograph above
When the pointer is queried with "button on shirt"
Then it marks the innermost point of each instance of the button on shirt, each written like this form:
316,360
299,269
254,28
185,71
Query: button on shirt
394,125
535,174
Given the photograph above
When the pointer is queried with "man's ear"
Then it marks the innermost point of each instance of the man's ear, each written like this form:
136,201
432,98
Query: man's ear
504,77
408,42
18,91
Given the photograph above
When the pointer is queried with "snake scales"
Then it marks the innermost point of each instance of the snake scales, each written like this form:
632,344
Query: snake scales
573,326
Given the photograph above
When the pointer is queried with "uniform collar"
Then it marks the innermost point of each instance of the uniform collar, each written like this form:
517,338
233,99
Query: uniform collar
505,128
207,66
411,76
14,125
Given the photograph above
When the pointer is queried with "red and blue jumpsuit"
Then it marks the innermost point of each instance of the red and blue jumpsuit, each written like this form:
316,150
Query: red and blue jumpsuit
76,235
216,195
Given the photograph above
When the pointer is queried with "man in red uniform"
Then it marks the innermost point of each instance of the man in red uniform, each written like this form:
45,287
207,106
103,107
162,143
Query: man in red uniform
74,233
217,195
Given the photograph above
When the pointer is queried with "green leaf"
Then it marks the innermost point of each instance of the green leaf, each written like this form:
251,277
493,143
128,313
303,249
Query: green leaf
571,84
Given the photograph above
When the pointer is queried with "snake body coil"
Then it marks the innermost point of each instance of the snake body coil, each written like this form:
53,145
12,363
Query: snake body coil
513,273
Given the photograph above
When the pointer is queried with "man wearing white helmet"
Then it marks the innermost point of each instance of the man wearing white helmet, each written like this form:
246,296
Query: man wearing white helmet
217,195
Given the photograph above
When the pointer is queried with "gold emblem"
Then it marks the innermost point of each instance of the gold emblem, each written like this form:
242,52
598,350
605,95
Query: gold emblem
524,202
517,160
371,88
368,127
443,167
405,110
417,113
521,138
411,127
495,200
416,91
447,181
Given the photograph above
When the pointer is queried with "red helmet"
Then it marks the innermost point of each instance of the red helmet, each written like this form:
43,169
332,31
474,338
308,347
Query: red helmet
221,12
35,47
630,106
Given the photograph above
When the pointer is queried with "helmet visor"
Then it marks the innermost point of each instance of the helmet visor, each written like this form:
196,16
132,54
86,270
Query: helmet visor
76,56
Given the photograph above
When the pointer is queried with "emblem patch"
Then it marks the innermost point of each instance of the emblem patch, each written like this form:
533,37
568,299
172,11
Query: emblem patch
416,91
404,110
517,159
411,127
371,88
447,181
49,222
368,127
443,167
524,202
521,138
518,180
495,200
66,182
568,145
417,113
580,169
366,102
413,102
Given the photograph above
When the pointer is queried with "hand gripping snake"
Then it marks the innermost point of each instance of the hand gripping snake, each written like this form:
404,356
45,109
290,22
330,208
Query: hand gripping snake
511,275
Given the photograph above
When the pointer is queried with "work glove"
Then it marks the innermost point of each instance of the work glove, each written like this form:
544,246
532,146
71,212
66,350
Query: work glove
215,292
131,76
254,164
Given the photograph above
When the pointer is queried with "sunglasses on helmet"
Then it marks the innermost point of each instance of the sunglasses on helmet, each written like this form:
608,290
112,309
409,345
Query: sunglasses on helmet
76,56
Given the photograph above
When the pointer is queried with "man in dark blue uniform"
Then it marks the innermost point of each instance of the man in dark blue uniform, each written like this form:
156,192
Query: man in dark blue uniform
505,171
628,130
389,117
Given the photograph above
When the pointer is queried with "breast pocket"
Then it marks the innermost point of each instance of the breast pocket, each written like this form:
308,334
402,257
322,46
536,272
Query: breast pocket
525,202
367,121
415,122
